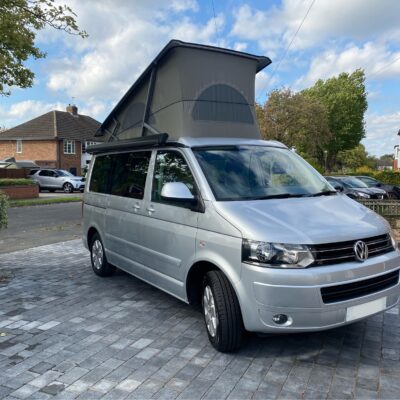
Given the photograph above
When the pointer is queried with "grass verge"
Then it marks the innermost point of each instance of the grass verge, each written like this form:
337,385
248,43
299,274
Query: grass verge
39,202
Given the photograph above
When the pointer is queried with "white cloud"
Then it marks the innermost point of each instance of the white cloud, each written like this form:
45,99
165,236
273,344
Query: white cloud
25,110
123,40
381,133
263,84
327,20
374,58
240,46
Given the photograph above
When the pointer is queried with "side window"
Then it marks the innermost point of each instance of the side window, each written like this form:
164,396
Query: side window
44,173
170,167
51,173
100,174
129,174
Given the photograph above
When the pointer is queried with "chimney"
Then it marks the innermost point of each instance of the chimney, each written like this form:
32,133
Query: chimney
72,109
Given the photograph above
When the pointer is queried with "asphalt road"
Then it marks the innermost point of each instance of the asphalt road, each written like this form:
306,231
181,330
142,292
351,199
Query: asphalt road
39,225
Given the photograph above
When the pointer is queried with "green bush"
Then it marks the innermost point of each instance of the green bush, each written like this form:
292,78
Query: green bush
16,182
387,176
3,210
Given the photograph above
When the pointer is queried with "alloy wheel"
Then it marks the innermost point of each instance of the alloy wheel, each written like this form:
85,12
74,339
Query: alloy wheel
97,254
210,311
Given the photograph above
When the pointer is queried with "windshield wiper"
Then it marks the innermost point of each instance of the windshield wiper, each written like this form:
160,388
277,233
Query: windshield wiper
323,193
279,196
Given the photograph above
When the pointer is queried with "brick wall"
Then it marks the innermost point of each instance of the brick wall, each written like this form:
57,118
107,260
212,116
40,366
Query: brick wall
68,161
34,150
46,153
21,192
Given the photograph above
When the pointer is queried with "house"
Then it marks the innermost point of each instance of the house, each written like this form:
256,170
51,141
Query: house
57,139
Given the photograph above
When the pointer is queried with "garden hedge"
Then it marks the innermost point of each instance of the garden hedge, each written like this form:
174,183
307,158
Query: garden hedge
16,182
3,210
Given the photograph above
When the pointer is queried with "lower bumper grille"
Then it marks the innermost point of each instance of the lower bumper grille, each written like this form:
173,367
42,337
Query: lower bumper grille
348,291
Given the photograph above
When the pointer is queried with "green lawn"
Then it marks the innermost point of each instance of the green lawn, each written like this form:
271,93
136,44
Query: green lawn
39,201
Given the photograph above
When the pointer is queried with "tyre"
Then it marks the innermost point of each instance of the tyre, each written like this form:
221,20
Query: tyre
68,188
221,310
98,257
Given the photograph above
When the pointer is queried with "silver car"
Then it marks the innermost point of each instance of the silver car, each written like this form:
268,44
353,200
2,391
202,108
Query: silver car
246,229
57,179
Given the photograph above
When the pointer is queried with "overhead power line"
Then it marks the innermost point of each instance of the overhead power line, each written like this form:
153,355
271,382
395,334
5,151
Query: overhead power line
384,67
291,42
215,23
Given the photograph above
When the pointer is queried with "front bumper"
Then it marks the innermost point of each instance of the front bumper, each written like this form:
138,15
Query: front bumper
265,292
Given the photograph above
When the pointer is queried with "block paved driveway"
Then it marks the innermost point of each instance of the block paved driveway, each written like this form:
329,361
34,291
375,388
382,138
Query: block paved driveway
66,333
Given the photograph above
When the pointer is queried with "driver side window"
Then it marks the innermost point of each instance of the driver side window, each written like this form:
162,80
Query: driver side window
170,167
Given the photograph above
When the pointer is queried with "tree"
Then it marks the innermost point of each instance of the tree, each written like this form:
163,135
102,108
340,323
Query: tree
345,100
350,160
296,120
20,20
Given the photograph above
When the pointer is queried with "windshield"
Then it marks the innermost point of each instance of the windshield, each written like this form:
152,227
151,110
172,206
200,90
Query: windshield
353,182
61,172
259,172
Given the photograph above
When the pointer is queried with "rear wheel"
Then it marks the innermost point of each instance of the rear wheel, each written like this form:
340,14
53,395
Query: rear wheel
98,257
221,310
68,188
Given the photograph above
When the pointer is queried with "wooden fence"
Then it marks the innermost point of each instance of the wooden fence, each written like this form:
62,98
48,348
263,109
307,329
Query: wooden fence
13,173
386,208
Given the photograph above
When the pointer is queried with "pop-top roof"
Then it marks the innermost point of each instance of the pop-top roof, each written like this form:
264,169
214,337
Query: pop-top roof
190,90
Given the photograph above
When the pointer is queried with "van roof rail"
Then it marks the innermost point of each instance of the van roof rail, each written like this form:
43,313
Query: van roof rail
143,141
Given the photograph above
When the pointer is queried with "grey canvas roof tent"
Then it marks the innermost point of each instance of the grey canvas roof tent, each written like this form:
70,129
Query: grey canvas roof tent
188,90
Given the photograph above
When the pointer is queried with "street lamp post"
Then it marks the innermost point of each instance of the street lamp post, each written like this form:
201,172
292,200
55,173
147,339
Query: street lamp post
325,160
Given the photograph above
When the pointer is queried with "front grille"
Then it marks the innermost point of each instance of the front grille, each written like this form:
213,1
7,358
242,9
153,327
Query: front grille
334,253
348,291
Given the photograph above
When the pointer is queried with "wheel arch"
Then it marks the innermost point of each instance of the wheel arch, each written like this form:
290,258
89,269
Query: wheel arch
194,280
90,233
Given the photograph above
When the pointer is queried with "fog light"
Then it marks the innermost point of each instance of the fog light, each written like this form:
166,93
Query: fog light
280,319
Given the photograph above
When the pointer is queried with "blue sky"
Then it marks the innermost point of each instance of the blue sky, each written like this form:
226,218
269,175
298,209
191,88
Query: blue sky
124,36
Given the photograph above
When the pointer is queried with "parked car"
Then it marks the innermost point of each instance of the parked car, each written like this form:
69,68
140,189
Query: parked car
392,191
355,188
57,179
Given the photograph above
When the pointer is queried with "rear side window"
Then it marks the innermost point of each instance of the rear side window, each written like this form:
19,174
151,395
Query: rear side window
100,174
129,174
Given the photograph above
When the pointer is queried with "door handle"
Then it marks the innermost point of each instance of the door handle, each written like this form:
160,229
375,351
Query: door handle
136,207
150,209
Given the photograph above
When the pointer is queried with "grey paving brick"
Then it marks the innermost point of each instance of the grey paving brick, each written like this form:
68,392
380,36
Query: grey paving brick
85,337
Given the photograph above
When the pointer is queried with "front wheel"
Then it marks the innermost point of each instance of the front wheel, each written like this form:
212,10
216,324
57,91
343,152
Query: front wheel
98,258
68,188
221,310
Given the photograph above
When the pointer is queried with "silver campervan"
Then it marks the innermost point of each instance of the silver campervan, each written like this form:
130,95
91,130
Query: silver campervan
183,194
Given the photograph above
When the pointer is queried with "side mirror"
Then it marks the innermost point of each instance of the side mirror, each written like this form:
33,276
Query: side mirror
338,188
379,184
177,191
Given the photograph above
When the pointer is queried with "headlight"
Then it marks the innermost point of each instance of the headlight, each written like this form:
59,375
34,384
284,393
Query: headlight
276,255
393,239
363,195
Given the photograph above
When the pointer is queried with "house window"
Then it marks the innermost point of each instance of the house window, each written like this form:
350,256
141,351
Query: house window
86,144
69,146
19,146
